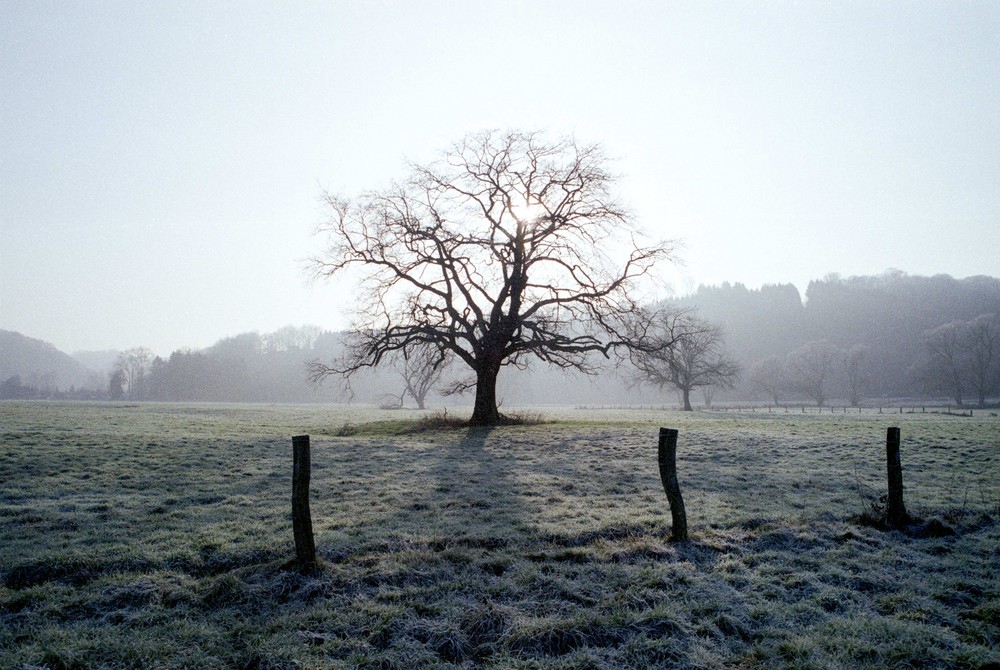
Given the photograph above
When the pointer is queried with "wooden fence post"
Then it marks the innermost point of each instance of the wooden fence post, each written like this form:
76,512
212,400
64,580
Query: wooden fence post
667,458
305,546
895,513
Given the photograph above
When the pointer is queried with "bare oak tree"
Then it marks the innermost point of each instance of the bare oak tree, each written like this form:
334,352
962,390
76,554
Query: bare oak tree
690,355
507,248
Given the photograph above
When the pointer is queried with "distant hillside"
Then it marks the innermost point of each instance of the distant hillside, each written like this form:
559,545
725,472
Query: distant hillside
887,315
41,365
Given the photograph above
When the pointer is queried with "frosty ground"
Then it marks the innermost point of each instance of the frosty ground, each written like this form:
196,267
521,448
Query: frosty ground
157,535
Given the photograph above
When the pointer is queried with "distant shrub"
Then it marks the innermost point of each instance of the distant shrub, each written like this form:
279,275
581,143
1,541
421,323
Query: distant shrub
524,418
347,430
442,421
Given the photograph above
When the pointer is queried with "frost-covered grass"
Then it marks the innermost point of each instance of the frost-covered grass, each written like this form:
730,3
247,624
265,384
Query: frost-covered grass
156,535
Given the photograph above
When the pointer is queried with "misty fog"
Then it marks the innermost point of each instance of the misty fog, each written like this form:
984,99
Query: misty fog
881,322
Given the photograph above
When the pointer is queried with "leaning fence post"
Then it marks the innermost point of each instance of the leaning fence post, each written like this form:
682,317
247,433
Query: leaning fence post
305,546
667,458
895,513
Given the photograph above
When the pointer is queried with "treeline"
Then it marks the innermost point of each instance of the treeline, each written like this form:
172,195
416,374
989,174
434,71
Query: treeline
249,367
886,336
32,369
274,367
852,340
16,388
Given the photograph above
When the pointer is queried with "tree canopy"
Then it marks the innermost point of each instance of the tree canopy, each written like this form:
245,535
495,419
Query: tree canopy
509,247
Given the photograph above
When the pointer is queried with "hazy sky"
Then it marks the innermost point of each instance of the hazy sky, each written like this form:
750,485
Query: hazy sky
161,162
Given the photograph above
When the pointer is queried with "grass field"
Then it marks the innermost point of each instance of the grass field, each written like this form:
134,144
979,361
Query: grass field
154,536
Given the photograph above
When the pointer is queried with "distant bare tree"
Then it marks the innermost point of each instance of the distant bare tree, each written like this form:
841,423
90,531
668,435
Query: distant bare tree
708,395
133,363
769,374
508,248
691,355
811,366
982,342
944,364
421,368
290,338
855,365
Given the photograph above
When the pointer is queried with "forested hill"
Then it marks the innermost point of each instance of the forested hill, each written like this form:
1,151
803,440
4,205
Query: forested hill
882,321
29,363
888,315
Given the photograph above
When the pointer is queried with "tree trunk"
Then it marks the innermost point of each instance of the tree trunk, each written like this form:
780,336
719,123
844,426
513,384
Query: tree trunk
687,399
485,412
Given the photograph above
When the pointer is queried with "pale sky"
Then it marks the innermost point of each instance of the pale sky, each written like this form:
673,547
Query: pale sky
161,162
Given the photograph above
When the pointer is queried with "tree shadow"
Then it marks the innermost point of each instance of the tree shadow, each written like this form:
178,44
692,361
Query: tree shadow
446,490
484,542
495,497
474,495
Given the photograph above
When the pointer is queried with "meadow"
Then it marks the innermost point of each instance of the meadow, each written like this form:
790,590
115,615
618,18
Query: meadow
158,536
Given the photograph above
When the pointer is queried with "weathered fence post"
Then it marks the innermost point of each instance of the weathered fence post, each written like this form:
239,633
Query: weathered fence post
895,513
305,546
667,458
